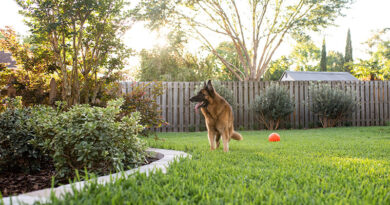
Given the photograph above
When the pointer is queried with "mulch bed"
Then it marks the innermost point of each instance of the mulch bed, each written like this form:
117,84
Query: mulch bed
18,183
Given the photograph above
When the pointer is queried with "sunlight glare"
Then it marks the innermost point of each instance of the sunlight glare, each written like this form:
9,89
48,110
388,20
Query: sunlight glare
139,37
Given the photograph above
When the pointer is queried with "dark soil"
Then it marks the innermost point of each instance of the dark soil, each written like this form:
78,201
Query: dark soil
18,183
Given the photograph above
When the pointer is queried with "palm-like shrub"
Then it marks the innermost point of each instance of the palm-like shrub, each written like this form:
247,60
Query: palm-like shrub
273,105
332,105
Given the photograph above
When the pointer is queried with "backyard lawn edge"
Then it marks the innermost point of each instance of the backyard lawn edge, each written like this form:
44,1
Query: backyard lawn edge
165,158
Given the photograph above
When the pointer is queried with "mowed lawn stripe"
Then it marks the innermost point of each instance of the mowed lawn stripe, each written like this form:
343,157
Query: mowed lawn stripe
316,166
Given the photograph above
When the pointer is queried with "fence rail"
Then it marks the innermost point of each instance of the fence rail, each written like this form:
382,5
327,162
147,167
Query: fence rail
373,107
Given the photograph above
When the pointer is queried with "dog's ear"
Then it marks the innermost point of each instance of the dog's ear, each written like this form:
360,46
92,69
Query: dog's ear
210,88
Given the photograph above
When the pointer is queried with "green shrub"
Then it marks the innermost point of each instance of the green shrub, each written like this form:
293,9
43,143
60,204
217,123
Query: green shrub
16,152
273,105
139,100
221,90
90,137
331,105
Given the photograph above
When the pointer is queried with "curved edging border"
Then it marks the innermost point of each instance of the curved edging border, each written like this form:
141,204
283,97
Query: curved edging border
166,157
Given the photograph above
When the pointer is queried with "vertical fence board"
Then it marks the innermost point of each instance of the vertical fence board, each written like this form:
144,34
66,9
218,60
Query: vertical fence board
181,106
363,103
250,102
301,108
357,92
256,93
186,107
296,111
192,110
291,90
245,105
376,102
367,103
372,105
164,106
169,112
236,106
380,100
241,103
305,91
386,102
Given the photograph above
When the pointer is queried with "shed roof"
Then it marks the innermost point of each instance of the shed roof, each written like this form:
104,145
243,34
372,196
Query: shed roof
316,76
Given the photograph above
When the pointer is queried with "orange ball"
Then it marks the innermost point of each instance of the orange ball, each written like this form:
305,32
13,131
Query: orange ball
274,137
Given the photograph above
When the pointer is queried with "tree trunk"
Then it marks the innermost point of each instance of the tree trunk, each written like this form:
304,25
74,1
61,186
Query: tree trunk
53,91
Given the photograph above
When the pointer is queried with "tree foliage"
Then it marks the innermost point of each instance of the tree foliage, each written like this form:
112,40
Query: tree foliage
348,58
305,55
273,106
256,28
331,104
323,62
377,67
139,100
89,138
227,50
34,67
17,153
335,61
83,37
174,63
277,68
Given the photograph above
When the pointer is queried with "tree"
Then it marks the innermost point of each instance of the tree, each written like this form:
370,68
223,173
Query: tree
174,63
256,28
33,73
348,59
277,68
335,61
84,37
226,50
323,62
377,67
305,55
367,70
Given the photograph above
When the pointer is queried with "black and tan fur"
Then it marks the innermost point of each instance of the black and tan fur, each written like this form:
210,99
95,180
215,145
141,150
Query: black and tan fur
219,117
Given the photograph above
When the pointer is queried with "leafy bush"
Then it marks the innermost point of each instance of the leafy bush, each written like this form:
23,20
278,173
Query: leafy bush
16,152
221,90
89,137
139,100
331,105
273,105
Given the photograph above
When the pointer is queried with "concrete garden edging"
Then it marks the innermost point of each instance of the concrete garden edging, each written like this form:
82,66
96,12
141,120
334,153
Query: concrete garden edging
165,158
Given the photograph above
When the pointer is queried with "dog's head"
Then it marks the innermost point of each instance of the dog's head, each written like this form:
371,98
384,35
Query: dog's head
204,96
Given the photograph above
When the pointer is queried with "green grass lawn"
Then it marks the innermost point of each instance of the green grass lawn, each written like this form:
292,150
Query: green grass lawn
317,166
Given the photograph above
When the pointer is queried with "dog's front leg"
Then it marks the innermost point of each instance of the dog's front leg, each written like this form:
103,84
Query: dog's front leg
211,134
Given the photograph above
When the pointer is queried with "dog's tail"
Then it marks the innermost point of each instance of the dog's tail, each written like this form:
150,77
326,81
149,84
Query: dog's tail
237,136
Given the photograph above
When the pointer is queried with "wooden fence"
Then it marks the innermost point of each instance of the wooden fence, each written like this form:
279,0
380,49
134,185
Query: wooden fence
373,108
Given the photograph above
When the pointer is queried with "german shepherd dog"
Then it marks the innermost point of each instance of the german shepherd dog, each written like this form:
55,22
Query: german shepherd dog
219,116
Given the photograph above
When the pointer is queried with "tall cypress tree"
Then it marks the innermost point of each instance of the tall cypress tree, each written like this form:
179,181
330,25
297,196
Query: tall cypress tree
323,57
348,59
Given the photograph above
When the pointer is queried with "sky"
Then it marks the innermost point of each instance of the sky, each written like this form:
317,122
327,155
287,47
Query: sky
362,18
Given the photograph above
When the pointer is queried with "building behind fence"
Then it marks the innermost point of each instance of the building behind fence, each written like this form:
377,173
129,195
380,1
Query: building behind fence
373,108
